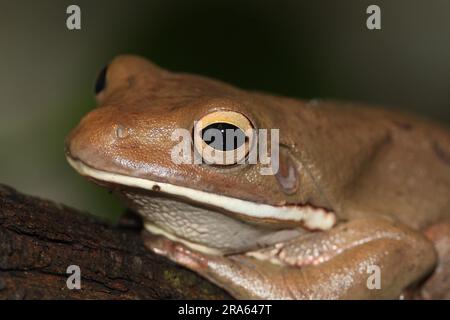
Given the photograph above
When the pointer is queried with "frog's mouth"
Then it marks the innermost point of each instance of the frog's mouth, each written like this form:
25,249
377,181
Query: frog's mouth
305,215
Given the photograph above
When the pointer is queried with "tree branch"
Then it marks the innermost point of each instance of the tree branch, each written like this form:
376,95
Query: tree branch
39,239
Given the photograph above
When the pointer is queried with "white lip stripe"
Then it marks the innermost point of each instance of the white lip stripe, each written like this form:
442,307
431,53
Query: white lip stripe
313,218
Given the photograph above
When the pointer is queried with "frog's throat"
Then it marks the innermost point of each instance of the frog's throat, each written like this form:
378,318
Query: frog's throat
192,245
310,217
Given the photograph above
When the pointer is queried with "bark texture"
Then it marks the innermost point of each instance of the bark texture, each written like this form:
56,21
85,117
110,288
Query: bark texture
39,239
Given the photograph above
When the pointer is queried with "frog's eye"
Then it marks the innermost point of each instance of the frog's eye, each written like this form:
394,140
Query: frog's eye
100,83
223,137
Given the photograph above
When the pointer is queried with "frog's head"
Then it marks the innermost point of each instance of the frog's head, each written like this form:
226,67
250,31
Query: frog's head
127,143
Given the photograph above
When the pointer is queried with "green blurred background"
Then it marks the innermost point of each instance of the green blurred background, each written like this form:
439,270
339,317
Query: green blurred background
306,49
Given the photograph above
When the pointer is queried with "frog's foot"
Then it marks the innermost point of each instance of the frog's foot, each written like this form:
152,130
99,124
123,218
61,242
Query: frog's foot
361,259
174,251
438,285
243,277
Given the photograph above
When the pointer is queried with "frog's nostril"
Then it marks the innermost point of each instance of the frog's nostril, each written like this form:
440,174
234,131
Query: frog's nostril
121,132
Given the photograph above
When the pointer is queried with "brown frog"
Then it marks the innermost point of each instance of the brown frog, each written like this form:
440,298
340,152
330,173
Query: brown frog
342,217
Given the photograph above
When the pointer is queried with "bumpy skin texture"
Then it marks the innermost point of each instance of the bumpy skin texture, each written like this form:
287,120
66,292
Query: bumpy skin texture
364,164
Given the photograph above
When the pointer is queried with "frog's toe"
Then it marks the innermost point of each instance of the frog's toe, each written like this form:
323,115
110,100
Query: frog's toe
174,251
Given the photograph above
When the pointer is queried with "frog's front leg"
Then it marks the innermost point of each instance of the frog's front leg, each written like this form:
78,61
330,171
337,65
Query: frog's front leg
338,264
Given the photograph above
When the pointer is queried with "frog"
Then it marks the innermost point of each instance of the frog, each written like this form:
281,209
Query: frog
344,216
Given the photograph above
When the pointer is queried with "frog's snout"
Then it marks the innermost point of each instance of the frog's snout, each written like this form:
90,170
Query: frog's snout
95,138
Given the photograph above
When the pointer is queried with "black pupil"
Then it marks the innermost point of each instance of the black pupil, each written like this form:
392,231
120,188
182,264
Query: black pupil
223,136
101,80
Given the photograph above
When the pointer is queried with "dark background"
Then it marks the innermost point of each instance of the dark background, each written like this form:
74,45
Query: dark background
307,49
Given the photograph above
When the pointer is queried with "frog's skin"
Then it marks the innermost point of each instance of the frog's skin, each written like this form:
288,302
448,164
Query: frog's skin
363,185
